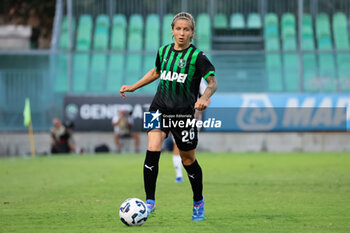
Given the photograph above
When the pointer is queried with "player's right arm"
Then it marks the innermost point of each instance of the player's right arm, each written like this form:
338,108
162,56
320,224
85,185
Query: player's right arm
148,78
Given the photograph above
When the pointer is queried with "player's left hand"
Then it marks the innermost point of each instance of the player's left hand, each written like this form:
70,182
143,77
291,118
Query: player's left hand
201,104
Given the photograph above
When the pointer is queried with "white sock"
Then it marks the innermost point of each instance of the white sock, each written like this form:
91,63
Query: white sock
177,165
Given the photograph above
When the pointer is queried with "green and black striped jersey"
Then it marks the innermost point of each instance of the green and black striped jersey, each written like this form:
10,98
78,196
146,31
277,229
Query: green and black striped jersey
181,72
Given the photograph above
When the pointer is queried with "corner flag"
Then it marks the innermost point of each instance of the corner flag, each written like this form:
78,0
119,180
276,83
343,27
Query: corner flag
26,113
28,123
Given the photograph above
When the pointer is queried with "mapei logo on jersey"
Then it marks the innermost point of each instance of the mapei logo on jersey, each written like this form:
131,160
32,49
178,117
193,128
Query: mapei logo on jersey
172,76
152,120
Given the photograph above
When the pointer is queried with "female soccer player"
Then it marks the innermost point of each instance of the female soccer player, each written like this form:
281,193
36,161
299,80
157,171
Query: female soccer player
180,67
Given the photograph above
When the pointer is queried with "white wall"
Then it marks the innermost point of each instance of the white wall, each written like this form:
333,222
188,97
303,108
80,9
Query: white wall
18,143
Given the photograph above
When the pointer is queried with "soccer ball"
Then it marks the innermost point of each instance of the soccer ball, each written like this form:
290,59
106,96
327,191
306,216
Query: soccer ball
133,212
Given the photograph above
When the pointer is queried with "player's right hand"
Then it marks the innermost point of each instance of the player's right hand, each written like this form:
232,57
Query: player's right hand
125,88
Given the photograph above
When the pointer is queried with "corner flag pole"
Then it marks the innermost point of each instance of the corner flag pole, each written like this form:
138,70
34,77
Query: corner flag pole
28,122
31,138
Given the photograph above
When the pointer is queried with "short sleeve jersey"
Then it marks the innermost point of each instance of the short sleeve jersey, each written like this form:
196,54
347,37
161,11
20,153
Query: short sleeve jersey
181,72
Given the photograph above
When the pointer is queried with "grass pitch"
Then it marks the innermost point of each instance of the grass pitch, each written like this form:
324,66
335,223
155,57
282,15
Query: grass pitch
249,192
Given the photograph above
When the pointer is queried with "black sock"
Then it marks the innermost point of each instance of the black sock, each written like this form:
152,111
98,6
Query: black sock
195,176
150,173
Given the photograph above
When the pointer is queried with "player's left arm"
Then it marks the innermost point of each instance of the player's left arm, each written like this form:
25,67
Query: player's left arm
203,102
151,76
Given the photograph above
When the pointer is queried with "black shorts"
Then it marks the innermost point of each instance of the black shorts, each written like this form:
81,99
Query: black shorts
183,128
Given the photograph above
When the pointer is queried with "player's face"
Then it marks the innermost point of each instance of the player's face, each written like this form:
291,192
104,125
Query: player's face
182,32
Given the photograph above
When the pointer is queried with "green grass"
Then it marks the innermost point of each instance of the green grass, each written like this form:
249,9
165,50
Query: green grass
249,192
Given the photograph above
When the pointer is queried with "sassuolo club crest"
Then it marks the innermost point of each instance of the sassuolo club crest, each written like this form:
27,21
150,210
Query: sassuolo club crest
182,63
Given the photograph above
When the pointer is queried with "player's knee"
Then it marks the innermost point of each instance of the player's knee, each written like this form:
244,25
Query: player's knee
154,147
188,161
188,157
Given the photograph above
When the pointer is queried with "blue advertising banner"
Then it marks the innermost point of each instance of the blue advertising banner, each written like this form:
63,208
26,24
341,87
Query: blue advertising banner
279,112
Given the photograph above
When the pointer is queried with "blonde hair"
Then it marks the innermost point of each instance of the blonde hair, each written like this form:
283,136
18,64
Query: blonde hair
186,16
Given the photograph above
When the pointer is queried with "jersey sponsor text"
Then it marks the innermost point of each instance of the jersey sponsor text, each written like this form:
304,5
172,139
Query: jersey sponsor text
172,76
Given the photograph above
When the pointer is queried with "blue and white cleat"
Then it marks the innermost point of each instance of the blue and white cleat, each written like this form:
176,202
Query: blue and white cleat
198,210
151,206
179,180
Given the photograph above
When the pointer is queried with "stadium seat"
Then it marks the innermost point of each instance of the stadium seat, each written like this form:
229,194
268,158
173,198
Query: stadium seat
115,72
272,44
237,21
288,19
289,39
288,25
290,60
254,21
83,41
61,75
80,72
343,61
203,32
166,29
149,63
64,41
64,36
118,39
323,32
340,31
325,43
341,41
220,21
135,33
99,60
309,59
271,31
116,62
152,42
101,34
322,26
271,19
81,60
310,72
65,23
288,32
273,60
307,29
327,72
307,43
291,72
271,34
289,44
274,72
326,62
98,72
133,60
133,68
307,36
271,27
